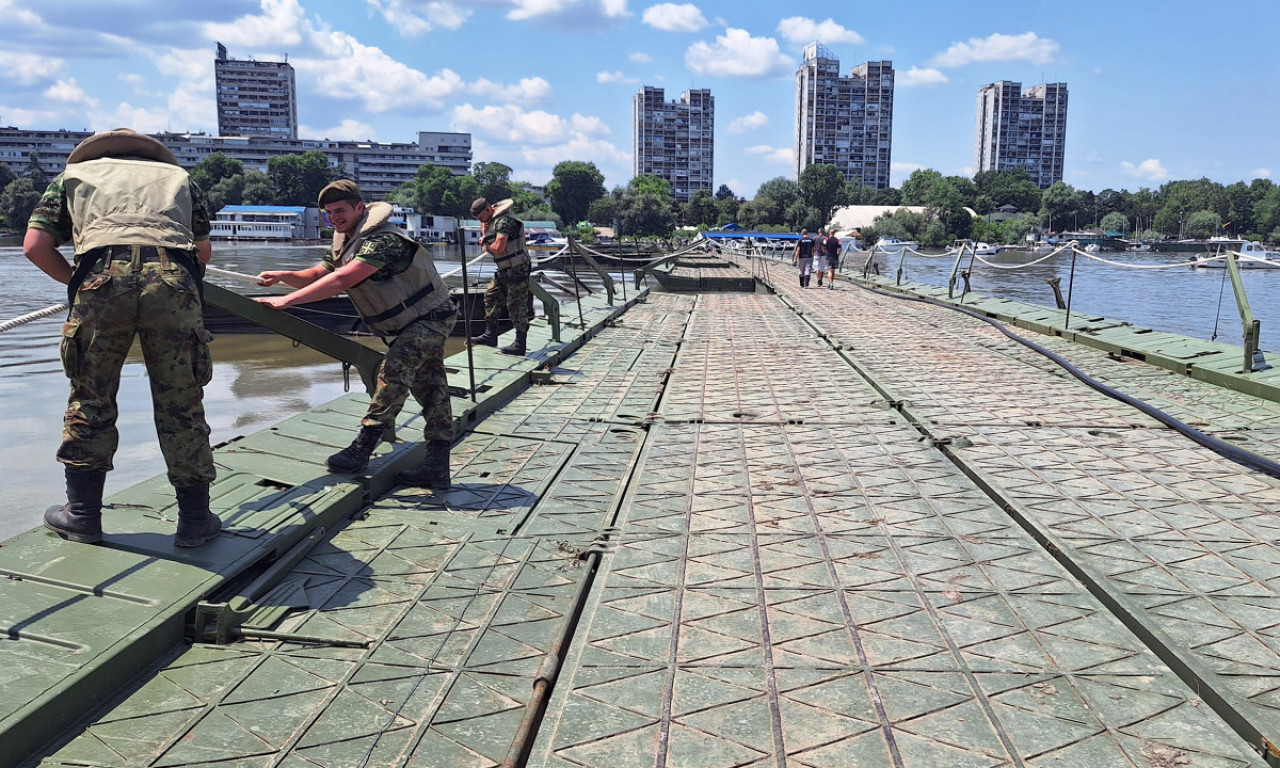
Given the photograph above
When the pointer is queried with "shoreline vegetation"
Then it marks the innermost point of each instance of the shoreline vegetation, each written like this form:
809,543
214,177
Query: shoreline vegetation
999,207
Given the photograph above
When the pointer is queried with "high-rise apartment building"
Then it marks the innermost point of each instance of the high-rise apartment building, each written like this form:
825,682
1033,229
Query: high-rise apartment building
676,139
1022,129
844,121
255,98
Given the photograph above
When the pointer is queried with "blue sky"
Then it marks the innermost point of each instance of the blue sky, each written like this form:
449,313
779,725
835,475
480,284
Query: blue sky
1158,90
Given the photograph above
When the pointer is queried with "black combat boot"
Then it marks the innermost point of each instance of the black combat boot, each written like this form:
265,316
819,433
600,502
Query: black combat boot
196,524
434,471
490,336
516,347
80,519
355,457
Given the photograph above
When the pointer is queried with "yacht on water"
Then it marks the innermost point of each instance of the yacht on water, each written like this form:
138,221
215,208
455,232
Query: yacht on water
1249,255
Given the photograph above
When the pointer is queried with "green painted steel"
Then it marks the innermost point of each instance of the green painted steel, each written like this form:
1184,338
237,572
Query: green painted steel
823,528
83,621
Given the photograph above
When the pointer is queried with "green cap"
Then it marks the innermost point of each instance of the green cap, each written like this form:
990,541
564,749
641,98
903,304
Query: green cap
342,189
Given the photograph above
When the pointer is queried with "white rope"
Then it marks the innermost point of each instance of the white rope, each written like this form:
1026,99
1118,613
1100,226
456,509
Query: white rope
32,316
1032,263
242,277
459,269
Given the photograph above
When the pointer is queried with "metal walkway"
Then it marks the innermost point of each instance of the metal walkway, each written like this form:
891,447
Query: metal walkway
823,528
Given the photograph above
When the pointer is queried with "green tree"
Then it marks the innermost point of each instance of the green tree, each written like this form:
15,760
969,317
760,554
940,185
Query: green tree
648,184
701,210
18,200
782,191
1011,186
258,189
214,168
435,190
35,171
646,215
820,187
886,196
1063,207
494,180
573,187
228,191
523,199
6,175
604,212
1115,222
298,179
724,193
1203,224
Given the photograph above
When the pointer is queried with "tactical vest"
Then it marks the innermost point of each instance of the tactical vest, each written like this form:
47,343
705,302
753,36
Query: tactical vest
388,306
119,201
515,254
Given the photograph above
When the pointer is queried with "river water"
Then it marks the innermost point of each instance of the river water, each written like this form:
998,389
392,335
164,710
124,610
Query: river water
1145,289
260,379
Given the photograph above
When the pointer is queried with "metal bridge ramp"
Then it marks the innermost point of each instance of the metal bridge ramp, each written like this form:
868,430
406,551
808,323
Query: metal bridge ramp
803,579
413,634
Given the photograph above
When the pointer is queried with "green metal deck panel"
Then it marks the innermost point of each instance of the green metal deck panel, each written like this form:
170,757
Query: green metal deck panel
457,629
272,489
954,369
458,610
1182,537
799,595
1215,362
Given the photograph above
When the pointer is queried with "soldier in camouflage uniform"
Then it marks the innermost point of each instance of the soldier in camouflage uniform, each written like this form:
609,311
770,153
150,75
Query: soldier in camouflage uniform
140,232
502,235
394,285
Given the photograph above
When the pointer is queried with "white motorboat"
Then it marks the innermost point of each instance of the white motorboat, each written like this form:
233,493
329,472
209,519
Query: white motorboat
1249,255
894,246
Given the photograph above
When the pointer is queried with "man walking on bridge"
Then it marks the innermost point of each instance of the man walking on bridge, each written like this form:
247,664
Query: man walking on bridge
395,287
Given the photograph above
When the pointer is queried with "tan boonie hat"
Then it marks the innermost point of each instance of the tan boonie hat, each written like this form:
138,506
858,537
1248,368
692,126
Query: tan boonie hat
342,189
121,142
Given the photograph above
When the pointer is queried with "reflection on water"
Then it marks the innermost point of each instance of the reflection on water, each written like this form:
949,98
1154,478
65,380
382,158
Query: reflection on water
258,380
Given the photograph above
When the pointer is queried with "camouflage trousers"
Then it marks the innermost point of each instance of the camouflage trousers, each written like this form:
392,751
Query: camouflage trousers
415,365
508,297
156,301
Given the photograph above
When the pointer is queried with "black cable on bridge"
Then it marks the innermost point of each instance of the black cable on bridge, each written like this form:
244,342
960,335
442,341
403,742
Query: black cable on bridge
1220,447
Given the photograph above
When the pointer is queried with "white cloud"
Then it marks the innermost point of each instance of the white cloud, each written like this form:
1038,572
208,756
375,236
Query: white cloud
1150,169
802,31
737,54
412,19
776,156
670,17
347,130
512,124
280,25
748,122
379,81
640,57
67,92
28,68
898,172
529,90
140,119
1262,173
916,76
614,77
998,47
575,10
614,9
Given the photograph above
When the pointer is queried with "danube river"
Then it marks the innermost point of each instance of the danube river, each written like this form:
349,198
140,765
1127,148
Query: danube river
260,380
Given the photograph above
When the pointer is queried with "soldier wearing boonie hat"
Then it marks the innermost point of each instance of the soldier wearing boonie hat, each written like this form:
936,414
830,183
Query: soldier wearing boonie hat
502,236
395,287
140,232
